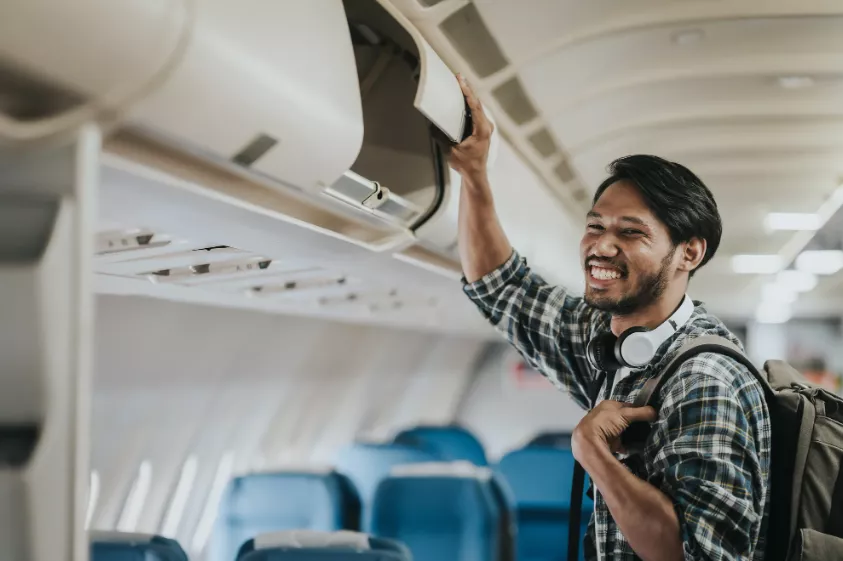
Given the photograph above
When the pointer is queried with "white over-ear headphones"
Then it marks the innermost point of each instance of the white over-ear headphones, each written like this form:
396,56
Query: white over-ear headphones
636,346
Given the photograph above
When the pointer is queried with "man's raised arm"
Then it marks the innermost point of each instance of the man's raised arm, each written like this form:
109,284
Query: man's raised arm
544,323
482,242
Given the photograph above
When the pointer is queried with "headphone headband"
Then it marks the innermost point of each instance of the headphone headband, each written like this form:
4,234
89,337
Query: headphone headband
636,346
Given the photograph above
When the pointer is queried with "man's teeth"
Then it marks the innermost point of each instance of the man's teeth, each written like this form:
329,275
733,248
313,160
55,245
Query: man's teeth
604,274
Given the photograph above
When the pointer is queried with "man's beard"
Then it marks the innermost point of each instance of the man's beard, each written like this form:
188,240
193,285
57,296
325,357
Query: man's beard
650,288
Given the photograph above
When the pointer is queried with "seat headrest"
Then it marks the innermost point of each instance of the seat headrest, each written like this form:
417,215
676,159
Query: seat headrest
118,537
462,469
114,546
304,468
449,442
311,539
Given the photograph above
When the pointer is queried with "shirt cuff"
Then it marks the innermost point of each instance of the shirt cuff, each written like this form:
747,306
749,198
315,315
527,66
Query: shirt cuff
495,280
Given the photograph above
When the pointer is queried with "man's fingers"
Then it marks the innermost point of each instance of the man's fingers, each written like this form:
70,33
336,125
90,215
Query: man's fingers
472,100
482,126
633,414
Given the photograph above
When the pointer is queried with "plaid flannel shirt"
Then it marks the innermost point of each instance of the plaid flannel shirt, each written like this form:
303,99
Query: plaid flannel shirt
709,450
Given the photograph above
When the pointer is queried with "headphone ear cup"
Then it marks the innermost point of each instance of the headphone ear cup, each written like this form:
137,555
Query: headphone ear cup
628,349
600,352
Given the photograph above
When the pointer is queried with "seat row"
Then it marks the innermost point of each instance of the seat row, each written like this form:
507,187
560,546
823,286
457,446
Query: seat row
293,545
423,492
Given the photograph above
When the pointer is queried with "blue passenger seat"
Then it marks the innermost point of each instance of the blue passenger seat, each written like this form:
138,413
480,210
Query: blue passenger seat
450,443
551,440
123,546
366,464
442,511
283,500
540,479
308,545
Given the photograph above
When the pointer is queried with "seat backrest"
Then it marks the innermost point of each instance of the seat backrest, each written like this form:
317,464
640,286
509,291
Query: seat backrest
450,443
551,440
441,511
540,479
505,499
309,545
123,546
284,500
367,464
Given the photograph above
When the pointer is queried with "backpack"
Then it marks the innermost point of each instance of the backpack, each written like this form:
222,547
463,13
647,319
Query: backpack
806,481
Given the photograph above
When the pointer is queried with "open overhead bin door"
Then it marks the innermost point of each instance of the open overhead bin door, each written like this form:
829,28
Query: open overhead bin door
343,100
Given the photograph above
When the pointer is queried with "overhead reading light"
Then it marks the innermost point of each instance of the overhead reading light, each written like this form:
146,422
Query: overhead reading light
797,281
756,264
820,262
296,286
795,82
792,221
773,312
211,272
136,240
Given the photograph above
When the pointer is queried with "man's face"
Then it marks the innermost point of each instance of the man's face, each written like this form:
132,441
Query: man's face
626,252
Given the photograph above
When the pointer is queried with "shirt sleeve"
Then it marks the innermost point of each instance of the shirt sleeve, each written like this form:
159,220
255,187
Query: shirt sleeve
548,326
714,463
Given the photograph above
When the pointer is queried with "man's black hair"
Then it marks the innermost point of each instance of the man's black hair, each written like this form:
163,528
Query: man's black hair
677,197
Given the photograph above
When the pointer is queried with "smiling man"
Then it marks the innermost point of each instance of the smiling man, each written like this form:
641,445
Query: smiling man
699,489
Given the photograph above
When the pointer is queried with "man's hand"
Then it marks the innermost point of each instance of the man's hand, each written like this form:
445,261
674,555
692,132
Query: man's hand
601,428
470,156
644,514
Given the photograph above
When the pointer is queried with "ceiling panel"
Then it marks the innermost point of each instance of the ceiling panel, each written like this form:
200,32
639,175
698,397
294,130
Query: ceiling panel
691,99
717,137
525,27
748,94
783,46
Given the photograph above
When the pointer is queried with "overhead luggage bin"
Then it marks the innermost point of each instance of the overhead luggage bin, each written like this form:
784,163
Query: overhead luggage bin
331,107
208,76
413,111
409,100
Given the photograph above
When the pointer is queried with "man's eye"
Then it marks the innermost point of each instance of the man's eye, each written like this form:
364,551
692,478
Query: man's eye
629,232
595,227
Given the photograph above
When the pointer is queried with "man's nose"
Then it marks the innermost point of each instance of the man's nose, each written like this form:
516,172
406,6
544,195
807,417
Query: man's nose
605,247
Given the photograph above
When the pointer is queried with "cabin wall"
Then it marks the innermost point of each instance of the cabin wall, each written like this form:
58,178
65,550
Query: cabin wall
228,390
505,411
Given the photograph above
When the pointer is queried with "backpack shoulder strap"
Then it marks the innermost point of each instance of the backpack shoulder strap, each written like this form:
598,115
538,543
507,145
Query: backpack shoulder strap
699,345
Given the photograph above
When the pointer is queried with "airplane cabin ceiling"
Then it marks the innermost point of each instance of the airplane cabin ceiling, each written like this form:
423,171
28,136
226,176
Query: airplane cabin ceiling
748,94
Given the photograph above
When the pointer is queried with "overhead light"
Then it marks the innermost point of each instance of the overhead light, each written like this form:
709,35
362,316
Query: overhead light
775,292
820,262
795,82
792,221
756,264
688,36
797,281
773,312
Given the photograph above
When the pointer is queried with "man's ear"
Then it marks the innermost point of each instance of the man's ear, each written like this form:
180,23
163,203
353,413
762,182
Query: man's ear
693,252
